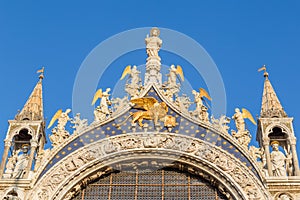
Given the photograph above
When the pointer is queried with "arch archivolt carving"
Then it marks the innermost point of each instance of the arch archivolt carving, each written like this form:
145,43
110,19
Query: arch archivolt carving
17,190
18,129
283,127
287,195
156,162
67,176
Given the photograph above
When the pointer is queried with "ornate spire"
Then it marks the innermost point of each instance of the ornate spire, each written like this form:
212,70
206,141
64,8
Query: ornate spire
33,108
270,106
153,44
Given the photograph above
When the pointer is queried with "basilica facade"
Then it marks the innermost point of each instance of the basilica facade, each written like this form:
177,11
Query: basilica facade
150,144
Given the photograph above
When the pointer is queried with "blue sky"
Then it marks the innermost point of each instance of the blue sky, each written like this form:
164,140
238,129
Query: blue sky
240,36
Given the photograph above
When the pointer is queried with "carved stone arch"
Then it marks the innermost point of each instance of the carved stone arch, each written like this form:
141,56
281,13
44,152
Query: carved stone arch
281,133
283,127
278,196
232,175
14,191
203,172
21,136
201,168
17,130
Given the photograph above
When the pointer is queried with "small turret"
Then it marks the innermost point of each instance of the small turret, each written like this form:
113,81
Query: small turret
25,136
275,135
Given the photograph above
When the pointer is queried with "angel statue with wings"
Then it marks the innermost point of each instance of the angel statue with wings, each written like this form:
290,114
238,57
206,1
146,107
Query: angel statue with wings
102,111
59,133
133,87
198,96
174,72
134,75
201,109
171,85
242,135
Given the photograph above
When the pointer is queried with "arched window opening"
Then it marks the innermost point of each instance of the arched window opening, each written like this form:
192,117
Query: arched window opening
167,183
22,139
277,134
11,195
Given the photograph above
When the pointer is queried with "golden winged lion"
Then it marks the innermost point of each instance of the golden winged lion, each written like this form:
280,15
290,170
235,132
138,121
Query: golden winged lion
152,110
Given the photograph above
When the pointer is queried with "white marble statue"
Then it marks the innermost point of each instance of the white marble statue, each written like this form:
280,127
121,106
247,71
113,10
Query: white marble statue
135,76
239,120
102,111
10,165
278,160
63,120
242,135
133,87
153,43
201,111
105,101
59,133
198,100
172,76
21,164
153,65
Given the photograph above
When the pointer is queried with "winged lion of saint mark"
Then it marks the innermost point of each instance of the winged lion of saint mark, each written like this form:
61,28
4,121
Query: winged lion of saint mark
151,110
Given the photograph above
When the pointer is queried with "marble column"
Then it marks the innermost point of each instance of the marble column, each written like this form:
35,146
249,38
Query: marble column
7,145
266,143
295,157
33,146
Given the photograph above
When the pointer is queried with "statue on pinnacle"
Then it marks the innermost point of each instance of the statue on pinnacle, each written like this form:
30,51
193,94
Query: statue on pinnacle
153,65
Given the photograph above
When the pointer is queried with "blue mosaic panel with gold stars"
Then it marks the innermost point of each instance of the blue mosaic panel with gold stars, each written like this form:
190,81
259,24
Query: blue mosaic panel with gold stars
122,125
